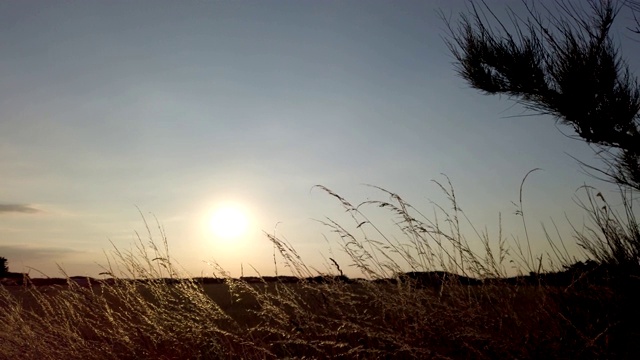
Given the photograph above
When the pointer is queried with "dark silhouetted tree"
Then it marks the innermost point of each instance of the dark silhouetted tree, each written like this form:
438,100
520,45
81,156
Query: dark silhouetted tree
4,266
565,64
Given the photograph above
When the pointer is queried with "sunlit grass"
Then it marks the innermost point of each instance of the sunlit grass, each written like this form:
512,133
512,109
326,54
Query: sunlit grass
148,311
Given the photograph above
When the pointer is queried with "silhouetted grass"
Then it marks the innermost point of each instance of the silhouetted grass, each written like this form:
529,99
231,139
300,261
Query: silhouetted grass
427,294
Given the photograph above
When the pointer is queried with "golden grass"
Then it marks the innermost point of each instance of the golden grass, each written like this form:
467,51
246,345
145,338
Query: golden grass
369,318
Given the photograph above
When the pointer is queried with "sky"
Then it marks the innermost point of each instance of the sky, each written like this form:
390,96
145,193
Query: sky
112,112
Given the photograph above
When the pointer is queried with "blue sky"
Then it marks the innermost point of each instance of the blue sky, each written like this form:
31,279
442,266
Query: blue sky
175,107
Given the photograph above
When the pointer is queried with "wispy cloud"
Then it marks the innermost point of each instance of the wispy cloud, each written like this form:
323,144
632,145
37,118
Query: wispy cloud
34,252
45,260
18,208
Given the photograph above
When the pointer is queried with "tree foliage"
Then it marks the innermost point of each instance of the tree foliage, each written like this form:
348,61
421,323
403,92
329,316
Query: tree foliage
4,266
565,64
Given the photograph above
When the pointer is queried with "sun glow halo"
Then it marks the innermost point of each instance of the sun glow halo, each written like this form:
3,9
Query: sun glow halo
228,222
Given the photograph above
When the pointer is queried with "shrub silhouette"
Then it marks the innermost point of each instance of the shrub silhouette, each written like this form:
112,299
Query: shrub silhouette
567,67
4,266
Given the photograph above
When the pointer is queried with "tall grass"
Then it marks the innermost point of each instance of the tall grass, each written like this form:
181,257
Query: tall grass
614,238
149,312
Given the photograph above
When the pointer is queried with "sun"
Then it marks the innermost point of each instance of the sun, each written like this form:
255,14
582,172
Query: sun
228,222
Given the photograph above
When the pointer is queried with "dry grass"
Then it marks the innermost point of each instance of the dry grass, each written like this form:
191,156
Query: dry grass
369,318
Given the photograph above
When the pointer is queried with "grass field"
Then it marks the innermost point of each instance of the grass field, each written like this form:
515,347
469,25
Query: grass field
275,320
146,311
